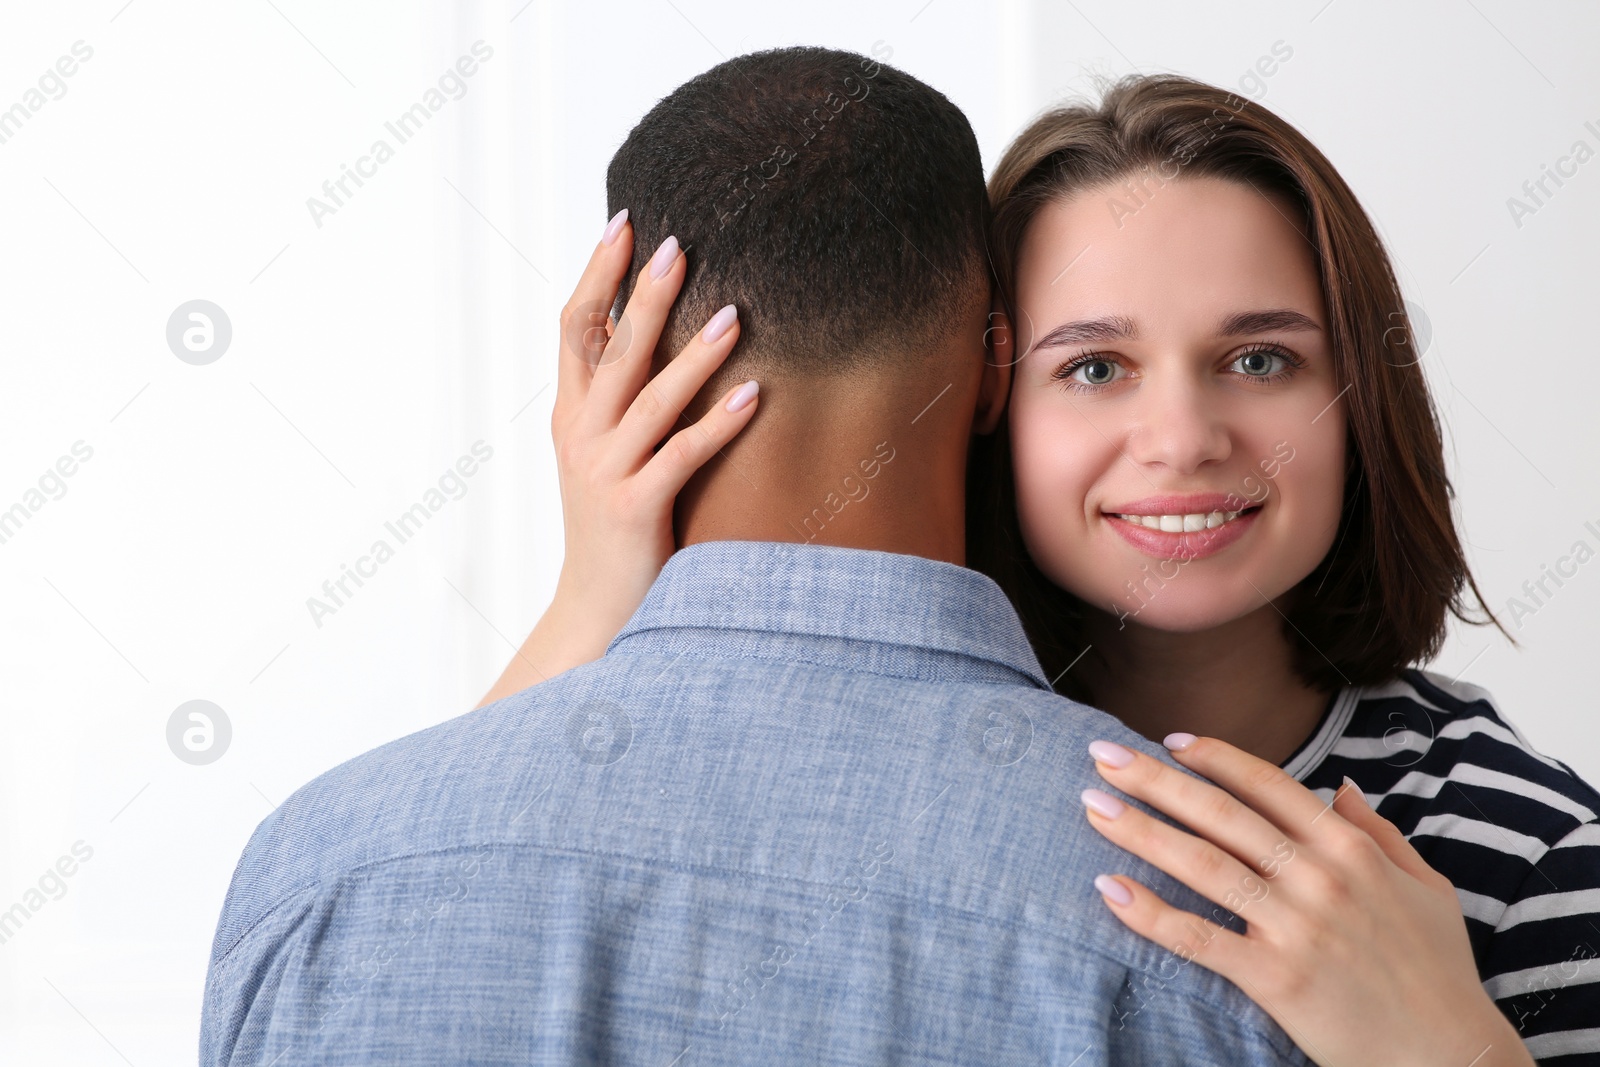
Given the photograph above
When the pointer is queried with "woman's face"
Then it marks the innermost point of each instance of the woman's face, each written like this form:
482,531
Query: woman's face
1178,448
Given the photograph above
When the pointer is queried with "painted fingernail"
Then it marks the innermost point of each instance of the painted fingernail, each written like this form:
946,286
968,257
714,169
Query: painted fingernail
1112,889
1111,753
614,227
719,324
1104,803
663,257
1356,789
742,396
1179,741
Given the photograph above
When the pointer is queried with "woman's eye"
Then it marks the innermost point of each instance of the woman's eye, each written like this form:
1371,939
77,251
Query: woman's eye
1260,364
1095,372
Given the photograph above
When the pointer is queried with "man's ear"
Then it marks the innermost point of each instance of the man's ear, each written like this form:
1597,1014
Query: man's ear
999,353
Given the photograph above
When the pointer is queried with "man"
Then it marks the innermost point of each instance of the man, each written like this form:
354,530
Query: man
817,803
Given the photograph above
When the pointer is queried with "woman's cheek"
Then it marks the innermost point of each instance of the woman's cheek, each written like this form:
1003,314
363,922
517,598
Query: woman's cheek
1052,480
1311,491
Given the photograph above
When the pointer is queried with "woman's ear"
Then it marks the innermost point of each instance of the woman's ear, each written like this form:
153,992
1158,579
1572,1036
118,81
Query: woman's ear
999,342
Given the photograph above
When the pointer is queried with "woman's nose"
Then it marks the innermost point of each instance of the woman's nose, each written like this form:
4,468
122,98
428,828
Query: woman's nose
1177,427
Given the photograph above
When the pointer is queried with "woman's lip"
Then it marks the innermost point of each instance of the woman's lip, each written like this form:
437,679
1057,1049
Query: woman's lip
1183,504
1196,544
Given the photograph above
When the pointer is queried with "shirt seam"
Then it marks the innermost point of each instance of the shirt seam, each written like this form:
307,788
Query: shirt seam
1561,842
1316,750
223,960
1533,869
712,655
1494,714
1585,795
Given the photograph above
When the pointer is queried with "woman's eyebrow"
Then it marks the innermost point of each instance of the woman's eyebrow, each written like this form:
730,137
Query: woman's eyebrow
1275,319
1110,328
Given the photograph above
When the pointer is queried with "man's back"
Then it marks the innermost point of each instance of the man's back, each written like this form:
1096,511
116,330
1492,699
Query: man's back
815,805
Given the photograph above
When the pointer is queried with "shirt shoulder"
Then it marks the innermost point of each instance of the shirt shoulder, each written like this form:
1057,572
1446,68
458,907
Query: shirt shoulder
416,794
1425,743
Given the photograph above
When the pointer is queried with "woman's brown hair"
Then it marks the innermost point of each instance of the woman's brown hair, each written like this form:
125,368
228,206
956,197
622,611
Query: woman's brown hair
1377,602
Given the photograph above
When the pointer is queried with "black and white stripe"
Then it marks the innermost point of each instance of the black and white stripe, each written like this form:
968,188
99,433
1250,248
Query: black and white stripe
1514,830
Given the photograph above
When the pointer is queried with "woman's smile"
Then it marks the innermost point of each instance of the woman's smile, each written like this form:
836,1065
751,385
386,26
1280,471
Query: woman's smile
1183,528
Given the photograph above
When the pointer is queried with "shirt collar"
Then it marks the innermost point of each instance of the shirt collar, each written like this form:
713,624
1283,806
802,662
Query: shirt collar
917,612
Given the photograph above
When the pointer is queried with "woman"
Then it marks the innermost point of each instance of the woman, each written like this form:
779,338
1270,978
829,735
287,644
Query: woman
1221,507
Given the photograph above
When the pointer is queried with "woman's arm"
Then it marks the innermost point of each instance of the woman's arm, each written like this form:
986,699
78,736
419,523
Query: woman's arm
1354,944
617,489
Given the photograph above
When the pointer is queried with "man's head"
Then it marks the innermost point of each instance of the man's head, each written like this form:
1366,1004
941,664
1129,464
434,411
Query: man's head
839,204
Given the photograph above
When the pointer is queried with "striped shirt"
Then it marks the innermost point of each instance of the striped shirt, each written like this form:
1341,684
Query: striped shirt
1515,832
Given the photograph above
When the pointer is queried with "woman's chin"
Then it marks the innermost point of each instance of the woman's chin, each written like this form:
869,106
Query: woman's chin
1191,612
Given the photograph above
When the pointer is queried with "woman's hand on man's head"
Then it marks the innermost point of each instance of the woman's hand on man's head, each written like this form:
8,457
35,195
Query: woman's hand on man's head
619,462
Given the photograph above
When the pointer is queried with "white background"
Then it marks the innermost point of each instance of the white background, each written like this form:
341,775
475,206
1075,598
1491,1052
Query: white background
372,351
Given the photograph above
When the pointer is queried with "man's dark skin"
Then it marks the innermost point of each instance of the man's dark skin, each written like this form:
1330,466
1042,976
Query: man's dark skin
760,486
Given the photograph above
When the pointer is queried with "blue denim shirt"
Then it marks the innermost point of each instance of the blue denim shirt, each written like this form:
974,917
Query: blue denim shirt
814,805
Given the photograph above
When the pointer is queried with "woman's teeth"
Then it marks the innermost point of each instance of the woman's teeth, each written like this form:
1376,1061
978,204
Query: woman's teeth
1183,523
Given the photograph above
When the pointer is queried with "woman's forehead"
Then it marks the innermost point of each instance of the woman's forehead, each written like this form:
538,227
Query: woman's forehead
1205,245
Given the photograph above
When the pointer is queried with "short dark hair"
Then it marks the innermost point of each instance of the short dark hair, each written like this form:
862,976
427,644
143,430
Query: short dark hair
837,201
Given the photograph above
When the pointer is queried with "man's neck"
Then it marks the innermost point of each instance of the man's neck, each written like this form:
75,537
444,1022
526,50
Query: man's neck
882,482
